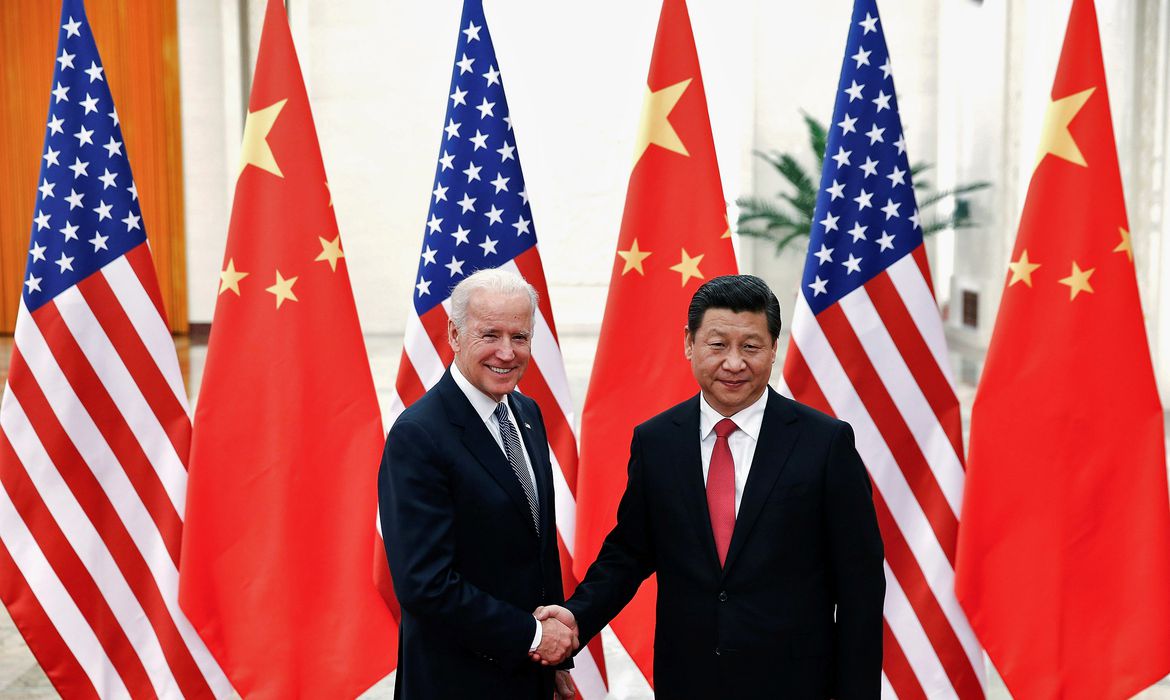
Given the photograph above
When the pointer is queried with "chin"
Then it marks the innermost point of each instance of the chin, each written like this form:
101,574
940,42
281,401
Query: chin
734,402
503,387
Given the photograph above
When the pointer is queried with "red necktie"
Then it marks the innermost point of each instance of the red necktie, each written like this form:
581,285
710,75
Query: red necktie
721,488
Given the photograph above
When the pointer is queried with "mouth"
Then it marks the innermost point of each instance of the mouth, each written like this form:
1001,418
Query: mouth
500,371
733,384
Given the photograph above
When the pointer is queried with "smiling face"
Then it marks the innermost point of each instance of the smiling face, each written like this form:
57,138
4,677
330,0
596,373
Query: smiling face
493,349
731,357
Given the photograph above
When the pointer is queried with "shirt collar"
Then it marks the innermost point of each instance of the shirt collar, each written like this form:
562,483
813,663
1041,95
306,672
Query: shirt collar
483,405
749,420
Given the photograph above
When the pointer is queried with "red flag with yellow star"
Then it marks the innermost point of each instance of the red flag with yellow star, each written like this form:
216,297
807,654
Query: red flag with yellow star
674,235
275,571
1064,542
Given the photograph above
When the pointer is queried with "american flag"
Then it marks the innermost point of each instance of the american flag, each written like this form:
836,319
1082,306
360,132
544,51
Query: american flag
480,218
94,428
868,346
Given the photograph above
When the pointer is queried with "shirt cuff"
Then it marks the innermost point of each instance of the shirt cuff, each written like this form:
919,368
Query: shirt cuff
538,637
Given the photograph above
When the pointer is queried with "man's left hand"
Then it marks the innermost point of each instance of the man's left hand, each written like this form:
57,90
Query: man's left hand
565,687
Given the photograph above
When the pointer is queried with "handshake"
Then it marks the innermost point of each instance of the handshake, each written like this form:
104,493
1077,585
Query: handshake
558,642
558,638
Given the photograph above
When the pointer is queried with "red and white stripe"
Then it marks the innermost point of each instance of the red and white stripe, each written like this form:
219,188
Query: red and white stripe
878,360
425,356
94,434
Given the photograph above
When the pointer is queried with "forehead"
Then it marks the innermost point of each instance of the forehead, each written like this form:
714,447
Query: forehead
490,307
728,322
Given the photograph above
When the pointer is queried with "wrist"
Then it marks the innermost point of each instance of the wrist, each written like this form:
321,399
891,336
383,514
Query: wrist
537,637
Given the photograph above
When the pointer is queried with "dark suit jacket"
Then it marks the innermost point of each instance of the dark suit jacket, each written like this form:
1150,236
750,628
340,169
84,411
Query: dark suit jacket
796,612
467,566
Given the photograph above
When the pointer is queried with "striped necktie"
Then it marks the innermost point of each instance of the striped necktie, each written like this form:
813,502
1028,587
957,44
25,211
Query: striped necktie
515,453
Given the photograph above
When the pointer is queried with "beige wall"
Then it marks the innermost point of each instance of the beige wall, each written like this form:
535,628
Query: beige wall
378,75
971,77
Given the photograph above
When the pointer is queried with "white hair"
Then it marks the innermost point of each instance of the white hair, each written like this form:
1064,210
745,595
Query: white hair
492,279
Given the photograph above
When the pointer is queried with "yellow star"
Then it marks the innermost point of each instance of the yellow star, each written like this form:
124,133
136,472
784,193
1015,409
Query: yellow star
1055,138
330,191
655,127
1078,281
1126,245
331,251
688,267
634,258
283,289
230,278
726,234
1022,269
255,149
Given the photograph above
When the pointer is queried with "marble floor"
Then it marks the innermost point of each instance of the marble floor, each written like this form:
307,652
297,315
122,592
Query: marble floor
22,679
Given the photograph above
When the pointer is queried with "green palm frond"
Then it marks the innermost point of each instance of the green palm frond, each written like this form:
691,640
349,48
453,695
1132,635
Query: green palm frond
803,202
789,169
757,208
818,137
790,238
937,197
788,217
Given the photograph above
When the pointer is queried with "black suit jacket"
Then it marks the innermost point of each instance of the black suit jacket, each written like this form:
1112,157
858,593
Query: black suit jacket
467,564
796,612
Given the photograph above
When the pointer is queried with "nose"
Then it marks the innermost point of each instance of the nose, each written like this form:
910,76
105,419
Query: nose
506,350
734,361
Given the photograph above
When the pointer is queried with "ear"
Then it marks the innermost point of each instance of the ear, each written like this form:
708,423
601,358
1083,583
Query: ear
452,335
688,343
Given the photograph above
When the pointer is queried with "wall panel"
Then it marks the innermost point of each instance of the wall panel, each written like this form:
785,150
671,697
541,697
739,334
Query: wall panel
138,42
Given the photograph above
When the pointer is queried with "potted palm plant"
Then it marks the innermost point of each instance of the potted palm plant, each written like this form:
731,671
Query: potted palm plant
787,218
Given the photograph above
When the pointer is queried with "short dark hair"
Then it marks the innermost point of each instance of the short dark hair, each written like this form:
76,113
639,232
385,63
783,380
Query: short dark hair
737,293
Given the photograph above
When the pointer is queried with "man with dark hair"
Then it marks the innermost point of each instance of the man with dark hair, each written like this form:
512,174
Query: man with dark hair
757,514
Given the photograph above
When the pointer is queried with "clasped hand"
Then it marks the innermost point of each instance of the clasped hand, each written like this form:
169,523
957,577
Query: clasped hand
558,635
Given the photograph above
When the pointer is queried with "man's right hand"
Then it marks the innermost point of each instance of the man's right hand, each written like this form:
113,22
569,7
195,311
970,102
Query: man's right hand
554,613
559,612
557,642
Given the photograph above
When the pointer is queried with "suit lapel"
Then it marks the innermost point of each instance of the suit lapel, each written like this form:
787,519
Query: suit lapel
778,434
540,465
694,489
480,443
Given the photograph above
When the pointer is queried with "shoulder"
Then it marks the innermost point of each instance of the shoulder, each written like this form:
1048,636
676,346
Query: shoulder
818,431
426,411
808,416
678,416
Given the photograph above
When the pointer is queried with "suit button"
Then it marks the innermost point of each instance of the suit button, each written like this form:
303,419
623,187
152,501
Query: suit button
722,596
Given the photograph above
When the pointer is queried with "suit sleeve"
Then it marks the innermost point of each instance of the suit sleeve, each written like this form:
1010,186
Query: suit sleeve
858,574
626,558
417,514
553,584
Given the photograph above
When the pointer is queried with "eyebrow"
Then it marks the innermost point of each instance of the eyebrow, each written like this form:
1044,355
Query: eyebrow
725,334
496,331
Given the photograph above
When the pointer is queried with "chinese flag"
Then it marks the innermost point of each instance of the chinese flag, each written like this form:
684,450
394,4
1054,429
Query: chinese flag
1064,543
275,570
674,236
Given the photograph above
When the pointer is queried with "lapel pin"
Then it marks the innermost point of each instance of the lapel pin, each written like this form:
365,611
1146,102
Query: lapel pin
528,426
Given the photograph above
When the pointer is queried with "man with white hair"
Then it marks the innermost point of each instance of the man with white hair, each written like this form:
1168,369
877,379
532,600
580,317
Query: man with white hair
466,498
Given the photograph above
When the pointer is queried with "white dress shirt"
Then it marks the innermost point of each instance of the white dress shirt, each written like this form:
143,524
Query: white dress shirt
742,442
485,407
